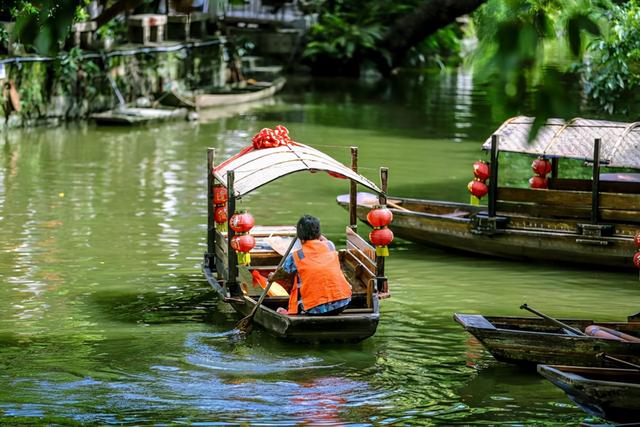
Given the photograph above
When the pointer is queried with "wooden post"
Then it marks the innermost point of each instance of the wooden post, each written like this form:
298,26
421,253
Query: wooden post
554,167
595,183
381,280
353,195
493,179
211,224
232,260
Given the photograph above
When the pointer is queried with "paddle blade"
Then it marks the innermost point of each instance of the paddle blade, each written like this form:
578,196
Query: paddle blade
245,325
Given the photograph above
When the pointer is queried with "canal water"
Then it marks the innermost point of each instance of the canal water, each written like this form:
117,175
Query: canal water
105,317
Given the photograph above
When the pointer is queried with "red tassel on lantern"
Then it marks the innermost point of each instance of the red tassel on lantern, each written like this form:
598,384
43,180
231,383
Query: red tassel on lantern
481,170
477,188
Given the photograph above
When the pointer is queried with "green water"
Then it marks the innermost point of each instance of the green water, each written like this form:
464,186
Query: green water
105,317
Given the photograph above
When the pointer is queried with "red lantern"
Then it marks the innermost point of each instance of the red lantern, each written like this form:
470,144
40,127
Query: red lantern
241,222
636,240
477,188
242,244
220,214
541,167
220,195
538,182
381,238
636,259
481,170
379,216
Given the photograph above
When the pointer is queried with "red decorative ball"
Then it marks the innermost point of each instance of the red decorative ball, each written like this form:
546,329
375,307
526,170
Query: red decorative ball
241,222
478,188
539,182
220,195
481,170
220,214
541,167
381,236
636,259
379,217
636,239
243,243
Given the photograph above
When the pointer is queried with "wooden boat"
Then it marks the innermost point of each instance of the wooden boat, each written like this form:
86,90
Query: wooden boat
613,394
249,93
130,116
253,168
529,341
574,220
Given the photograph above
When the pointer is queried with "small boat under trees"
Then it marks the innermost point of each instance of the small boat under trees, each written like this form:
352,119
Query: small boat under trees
613,394
134,116
590,221
529,341
239,281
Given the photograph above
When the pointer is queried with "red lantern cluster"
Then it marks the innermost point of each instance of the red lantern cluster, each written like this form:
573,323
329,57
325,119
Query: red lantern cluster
636,256
541,167
242,242
379,217
220,197
481,172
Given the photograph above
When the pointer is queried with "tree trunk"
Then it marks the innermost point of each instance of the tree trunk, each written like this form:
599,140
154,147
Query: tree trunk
410,29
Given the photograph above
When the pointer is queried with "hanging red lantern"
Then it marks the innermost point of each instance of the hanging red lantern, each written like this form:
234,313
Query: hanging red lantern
220,215
379,216
242,244
381,238
636,239
541,167
481,170
538,182
220,195
477,188
241,222
636,259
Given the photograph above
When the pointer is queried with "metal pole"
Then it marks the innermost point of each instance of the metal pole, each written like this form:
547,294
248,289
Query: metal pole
493,179
382,198
211,230
232,260
353,195
595,183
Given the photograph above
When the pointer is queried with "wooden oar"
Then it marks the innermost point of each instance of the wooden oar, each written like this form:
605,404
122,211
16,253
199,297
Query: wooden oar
397,206
619,361
245,325
552,320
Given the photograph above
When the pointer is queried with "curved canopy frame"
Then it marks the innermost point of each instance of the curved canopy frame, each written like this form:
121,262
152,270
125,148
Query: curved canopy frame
254,168
620,146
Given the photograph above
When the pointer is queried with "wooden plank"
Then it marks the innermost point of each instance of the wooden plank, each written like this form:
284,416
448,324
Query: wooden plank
359,243
545,210
627,202
362,259
585,185
552,197
473,321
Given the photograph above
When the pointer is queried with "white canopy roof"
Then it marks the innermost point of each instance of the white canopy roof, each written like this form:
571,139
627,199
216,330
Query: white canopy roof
620,142
259,167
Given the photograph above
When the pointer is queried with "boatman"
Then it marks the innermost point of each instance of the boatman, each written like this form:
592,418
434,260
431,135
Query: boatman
319,286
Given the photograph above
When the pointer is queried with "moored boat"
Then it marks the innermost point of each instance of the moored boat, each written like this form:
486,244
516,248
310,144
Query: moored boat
220,98
530,341
587,221
239,285
613,394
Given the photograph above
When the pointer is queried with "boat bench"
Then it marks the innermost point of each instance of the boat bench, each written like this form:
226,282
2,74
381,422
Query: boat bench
553,203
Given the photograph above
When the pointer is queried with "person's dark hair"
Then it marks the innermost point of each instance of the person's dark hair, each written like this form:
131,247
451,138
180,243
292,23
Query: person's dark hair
308,228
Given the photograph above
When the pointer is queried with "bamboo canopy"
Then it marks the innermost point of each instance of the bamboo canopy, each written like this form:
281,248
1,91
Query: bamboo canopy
255,168
573,139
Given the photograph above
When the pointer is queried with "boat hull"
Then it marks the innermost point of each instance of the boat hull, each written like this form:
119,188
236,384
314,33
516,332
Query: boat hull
343,328
613,394
531,341
535,239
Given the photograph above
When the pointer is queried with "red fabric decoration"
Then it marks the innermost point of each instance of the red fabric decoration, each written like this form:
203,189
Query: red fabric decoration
336,175
271,138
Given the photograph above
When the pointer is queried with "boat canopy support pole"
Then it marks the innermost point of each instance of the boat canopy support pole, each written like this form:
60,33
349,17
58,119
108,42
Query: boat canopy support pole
493,179
353,195
554,167
381,281
211,231
595,183
232,261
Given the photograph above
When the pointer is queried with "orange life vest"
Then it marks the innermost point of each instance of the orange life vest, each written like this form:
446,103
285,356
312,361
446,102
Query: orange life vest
319,279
